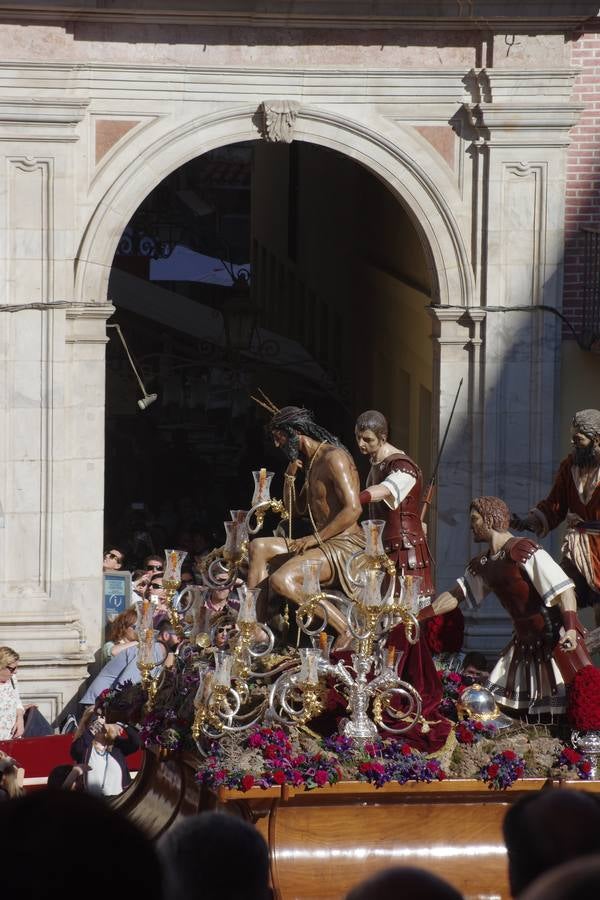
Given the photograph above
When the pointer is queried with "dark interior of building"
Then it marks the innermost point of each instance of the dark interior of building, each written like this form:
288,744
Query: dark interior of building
281,267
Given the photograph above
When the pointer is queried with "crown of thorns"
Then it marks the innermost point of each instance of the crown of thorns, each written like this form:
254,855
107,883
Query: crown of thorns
286,417
265,402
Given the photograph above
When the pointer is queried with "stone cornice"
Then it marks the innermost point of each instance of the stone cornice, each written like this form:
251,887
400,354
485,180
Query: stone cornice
58,111
490,15
524,124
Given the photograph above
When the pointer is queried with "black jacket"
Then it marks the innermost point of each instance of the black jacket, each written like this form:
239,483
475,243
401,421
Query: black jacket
122,747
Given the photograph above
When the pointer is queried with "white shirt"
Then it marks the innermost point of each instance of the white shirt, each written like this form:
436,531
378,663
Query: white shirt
105,775
399,484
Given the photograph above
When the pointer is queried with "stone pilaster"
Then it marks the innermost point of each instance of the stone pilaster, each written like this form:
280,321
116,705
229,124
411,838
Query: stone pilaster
37,247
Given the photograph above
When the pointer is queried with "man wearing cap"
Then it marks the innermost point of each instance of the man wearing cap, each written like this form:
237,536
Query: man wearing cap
546,649
329,497
575,499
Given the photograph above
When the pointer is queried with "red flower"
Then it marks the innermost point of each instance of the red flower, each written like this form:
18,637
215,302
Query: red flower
586,766
279,776
406,749
271,752
368,767
441,775
247,782
519,771
445,633
493,770
584,699
321,777
510,755
297,777
464,735
571,756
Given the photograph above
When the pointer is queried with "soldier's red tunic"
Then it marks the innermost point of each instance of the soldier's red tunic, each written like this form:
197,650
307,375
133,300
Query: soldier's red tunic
575,497
528,583
403,537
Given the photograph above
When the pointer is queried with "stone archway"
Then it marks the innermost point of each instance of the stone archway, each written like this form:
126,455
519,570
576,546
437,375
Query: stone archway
428,194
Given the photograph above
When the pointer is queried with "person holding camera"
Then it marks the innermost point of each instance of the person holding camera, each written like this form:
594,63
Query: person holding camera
99,749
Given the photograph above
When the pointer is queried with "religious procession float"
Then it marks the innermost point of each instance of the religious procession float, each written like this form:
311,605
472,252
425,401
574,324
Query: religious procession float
337,742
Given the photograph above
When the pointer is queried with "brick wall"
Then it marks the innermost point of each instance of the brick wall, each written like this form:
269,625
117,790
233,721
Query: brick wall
583,173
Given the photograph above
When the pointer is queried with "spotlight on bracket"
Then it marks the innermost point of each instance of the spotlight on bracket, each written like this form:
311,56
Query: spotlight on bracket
145,402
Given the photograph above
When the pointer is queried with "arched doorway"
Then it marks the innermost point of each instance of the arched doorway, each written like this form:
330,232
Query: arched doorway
285,267
396,154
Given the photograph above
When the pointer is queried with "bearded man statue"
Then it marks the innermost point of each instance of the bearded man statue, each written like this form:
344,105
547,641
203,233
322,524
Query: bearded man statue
575,499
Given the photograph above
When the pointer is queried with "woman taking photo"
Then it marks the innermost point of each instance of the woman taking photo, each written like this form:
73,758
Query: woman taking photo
122,634
12,712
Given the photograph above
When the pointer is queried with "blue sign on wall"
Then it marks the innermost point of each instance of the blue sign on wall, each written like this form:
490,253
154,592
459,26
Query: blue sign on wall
117,594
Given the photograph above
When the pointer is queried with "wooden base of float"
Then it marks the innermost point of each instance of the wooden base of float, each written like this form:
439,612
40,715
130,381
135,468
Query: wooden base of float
323,842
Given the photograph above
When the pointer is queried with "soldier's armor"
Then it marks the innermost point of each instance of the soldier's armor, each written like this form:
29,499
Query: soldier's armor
504,575
403,536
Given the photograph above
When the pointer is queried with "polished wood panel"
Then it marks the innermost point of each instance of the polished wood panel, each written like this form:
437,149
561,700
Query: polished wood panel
163,791
325,841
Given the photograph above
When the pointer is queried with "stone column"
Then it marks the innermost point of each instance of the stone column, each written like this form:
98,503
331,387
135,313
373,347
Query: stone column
522,121
39,618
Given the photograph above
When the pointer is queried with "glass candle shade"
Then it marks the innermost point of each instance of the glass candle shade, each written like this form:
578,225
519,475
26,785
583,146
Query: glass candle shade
311,584
235,535
173,563
223,661
309,665
370,591
323,642
238,515
145,633
410,592
373,531
197,612
389,659
248,599
205,683
262,487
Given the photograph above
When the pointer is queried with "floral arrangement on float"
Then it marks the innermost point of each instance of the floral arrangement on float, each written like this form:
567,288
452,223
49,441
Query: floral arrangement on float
276,756
268,757
502,770
584,715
